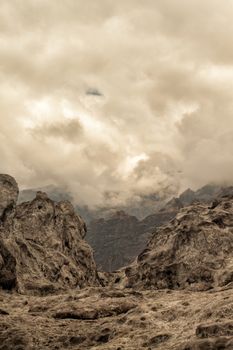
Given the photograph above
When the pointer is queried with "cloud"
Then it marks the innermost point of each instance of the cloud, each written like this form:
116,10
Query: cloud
69,131
127,97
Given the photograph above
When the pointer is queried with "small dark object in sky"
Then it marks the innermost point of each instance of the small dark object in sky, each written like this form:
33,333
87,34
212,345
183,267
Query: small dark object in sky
94,92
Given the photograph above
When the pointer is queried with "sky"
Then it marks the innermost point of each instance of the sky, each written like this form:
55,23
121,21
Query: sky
126,97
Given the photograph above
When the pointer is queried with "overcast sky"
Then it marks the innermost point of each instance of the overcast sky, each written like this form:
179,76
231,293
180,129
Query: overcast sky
128,96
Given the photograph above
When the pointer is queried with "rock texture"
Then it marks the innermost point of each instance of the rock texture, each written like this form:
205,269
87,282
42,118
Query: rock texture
194,251
8,194
42,247
176,296
113,319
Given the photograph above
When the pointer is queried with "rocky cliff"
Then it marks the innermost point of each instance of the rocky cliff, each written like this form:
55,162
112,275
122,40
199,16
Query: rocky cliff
42,246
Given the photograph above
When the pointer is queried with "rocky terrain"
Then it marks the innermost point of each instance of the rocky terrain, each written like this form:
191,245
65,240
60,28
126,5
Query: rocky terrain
194,251
118,238
42,247
117,235
177,294
113,319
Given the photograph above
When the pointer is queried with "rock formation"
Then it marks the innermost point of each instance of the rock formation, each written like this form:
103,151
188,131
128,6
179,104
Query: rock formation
42,247
176,296
194,251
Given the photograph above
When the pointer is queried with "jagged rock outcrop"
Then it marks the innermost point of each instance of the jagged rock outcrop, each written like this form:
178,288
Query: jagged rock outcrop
42,247
194,251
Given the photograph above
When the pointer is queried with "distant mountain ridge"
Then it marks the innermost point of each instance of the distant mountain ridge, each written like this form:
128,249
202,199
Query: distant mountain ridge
139,206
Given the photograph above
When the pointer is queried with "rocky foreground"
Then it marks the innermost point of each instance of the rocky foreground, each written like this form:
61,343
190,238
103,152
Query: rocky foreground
107,318
176,295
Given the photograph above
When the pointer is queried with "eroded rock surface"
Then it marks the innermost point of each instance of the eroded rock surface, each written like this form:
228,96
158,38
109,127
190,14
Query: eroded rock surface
42,247
8,194
111,319
194,251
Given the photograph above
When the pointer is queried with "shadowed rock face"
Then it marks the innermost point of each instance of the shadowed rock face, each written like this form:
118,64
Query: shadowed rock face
194,251
42,247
